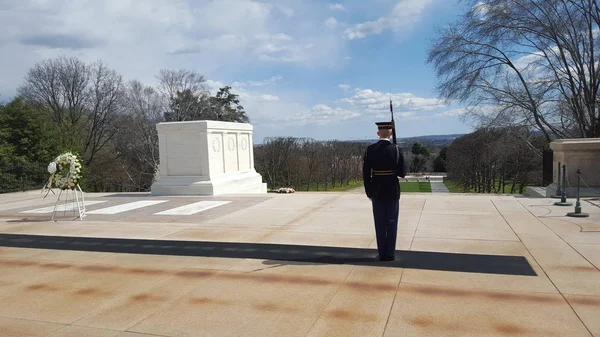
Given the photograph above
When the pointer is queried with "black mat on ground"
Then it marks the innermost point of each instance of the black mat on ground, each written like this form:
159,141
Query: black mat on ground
472,263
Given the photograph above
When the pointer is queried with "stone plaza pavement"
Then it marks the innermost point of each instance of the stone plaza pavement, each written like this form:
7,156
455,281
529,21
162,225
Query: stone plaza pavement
222,287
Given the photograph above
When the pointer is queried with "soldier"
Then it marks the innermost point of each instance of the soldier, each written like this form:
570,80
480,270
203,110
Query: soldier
382,165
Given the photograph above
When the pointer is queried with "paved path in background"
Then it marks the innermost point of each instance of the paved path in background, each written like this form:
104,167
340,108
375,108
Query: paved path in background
357,190
438,187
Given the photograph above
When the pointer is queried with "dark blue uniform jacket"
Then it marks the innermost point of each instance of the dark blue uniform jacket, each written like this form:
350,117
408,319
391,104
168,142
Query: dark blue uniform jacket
383,163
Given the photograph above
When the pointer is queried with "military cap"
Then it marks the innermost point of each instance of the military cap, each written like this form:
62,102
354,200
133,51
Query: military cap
384,125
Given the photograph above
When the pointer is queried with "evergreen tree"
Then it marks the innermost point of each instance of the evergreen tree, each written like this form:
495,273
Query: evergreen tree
26,135
28,142
439,163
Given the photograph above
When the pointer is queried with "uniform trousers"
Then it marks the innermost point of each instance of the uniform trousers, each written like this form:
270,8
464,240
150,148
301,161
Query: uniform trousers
385,213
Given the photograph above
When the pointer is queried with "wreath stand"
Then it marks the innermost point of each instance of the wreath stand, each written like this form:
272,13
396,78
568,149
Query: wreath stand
77,198
66,185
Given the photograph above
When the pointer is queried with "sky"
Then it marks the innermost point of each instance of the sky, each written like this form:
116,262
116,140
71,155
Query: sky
302,68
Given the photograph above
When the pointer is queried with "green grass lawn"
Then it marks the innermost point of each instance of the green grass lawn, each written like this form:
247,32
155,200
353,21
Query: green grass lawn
338,188
455,187
409,187
405,186
423,187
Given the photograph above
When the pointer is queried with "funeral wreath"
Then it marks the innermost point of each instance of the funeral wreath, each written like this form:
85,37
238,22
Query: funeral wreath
65,171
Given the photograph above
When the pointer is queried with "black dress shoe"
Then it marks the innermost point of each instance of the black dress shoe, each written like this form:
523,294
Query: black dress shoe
388,258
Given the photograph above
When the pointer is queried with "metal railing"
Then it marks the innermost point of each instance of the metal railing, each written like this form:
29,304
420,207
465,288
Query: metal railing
20,177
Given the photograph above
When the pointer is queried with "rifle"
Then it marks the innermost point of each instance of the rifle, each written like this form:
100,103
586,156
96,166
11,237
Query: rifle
393,123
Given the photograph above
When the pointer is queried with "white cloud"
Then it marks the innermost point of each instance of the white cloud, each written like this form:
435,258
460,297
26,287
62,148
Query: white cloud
375,102
138,38
452,113
405,14
481,9
216,38
531,61
319,114
372,104
269,110
268,81
324,113
407,115
398,115
265,47
241,89
289,12
337,7
222,43
213,86
269,98
331,22
281,48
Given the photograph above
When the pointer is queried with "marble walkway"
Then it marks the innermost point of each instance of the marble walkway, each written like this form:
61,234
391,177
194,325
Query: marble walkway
139,266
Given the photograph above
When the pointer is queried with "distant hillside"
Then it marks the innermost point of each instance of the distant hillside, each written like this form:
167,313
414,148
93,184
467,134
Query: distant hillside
431,141
428,140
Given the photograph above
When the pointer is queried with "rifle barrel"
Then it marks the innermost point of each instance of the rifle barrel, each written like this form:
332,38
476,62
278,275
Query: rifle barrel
393,122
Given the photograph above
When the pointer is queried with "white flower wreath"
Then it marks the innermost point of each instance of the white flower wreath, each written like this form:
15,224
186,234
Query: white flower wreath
286,190
65,171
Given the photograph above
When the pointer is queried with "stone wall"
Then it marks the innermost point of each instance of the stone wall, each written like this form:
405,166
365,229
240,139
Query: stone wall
583,154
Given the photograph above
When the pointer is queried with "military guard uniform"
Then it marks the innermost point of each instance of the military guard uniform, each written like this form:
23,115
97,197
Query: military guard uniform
383,163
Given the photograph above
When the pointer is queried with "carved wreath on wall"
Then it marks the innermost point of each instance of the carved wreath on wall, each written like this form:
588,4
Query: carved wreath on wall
231,144
244,144
216,144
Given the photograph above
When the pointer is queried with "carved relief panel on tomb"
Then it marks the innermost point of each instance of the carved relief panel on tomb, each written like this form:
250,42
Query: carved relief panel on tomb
231,157
215,141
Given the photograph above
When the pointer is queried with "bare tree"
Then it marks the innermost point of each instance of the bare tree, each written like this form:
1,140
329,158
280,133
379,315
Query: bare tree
525,62
58,86
311,150
83,100
487,160
272,160
173,81
300,163
105,102
187,97
137,140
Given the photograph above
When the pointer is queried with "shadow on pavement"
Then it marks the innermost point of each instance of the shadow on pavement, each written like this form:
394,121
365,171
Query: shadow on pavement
279,254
